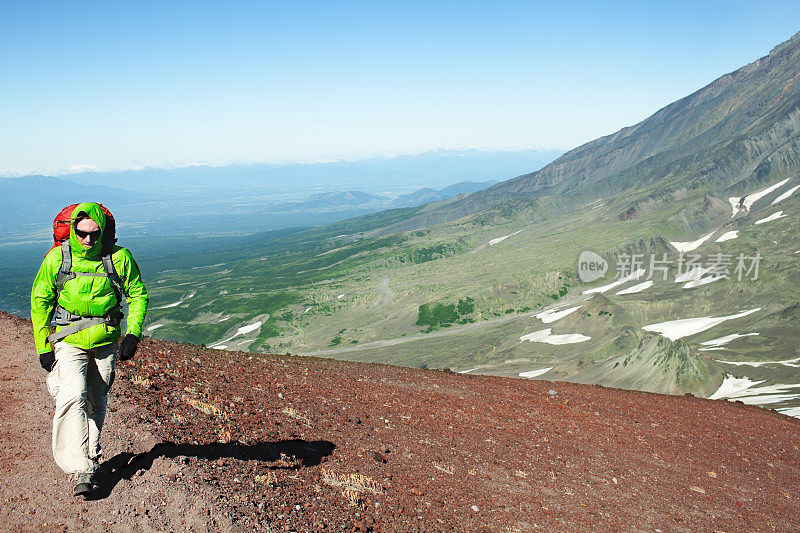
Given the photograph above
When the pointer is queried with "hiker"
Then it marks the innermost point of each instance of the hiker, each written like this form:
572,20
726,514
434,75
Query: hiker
79,289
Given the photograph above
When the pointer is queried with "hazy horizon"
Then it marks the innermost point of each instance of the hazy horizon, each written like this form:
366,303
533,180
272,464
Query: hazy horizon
164,85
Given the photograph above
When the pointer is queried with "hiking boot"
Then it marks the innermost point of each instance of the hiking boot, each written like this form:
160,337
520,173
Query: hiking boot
84,482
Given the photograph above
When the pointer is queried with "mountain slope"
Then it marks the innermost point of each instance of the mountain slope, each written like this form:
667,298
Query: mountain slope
740,129
710,181
203,440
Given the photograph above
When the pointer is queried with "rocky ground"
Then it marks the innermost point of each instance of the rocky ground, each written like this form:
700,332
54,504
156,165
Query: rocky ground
201,440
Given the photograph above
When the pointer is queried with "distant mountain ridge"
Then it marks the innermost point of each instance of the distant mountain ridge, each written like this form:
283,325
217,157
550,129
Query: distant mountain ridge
738,130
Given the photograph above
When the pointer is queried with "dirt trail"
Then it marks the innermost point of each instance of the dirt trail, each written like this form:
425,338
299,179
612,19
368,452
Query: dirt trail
204,439
36,496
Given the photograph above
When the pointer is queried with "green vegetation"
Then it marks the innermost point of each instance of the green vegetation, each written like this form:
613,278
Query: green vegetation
444,315
430,253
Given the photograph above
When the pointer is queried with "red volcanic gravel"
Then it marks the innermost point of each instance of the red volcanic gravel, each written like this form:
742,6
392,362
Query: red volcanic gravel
206,440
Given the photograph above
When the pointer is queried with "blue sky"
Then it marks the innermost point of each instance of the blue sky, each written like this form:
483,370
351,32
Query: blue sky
113,85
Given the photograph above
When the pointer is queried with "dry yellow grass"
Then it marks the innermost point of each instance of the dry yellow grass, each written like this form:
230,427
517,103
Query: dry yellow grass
296,415
142,382
352,485
207,408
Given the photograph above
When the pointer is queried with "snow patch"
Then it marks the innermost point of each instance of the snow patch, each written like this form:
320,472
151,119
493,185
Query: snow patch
219,347
721,341
773,216
676,329
767,399
793,363
548,337
501,239
467,371
693,245
790,411
691,274
744,390
702,281
748,201
340,297
785,195
637,288
154,327
534,373
179,302
732,385
728,235
241,331
248,328
638,273
555,314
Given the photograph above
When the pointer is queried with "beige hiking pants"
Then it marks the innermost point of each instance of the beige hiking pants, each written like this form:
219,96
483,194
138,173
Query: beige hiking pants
79,382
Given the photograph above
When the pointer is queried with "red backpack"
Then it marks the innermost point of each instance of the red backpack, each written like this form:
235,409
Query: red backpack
61,228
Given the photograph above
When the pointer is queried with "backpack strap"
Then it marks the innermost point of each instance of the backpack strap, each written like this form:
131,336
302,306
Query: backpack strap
75,323
113,277
65,273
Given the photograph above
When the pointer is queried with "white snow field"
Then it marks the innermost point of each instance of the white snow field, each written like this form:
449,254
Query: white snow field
722,341
637,288
728,235
555,314
677,329
501,239
248,328
743,390
785,195
773,216
638,273
241,331
548,337
790,411
750,199
693,245
702,281
534,373
179,302
793,363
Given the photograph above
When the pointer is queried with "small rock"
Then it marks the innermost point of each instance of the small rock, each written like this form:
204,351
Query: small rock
697,489
551,392
475,508
615,480
375,456
280,395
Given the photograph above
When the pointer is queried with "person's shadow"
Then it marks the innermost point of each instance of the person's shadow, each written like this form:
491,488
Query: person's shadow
125,465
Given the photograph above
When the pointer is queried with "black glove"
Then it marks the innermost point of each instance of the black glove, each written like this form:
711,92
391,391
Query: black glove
47,360
128,347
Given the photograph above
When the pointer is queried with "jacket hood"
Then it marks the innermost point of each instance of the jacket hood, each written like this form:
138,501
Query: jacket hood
95,212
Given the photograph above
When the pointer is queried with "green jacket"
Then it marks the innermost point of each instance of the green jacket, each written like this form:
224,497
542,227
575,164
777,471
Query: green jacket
84,295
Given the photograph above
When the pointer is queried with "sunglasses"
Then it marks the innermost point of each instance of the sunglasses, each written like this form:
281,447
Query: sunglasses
93,235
